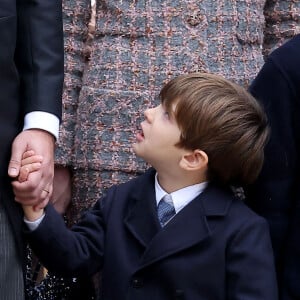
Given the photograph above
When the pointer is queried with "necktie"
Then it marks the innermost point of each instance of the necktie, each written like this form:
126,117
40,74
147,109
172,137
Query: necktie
165,210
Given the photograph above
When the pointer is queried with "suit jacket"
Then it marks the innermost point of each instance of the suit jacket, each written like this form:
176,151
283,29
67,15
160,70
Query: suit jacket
31,76
214,248
276,193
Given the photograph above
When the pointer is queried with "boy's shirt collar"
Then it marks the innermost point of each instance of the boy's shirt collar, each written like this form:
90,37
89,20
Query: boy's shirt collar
180,197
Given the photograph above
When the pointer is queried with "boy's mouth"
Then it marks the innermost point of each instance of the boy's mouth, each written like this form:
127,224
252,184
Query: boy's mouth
140,135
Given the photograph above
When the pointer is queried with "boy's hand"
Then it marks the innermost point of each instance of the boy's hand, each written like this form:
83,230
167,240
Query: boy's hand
31,163
32,214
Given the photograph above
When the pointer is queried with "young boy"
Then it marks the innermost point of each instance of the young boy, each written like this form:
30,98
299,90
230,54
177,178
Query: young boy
204,243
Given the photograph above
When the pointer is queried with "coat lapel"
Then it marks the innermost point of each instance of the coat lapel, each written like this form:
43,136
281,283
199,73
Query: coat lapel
192,225
141,218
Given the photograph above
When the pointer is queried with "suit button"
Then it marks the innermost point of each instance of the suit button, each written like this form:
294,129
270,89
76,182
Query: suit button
137,283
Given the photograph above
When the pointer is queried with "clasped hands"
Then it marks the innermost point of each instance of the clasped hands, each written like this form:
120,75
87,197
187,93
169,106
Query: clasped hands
32,167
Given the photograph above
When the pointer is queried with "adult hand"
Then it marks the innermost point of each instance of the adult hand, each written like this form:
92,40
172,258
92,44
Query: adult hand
38,187
62,189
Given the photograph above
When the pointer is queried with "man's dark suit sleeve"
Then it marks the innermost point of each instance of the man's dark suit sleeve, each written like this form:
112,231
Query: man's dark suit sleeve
39,55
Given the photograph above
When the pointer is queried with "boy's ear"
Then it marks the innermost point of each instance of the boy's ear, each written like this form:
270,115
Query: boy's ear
194,160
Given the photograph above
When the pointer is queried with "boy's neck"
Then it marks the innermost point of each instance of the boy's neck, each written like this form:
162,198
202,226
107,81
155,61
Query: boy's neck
171,183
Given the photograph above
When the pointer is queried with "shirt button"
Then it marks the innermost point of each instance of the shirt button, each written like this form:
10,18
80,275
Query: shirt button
137,283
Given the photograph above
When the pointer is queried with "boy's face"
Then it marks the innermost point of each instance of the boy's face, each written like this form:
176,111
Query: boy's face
159,134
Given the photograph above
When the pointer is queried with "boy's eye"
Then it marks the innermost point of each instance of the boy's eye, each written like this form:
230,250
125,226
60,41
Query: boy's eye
166,114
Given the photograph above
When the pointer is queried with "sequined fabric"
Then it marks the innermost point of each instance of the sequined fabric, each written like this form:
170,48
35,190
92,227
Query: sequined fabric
54,287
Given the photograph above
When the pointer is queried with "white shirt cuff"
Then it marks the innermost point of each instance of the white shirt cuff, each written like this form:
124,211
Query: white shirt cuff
42,120
32,225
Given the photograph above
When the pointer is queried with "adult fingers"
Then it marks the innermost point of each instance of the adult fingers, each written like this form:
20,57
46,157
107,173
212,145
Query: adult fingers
19,146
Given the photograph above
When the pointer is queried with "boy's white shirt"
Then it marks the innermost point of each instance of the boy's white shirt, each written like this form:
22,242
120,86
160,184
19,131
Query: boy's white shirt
180,199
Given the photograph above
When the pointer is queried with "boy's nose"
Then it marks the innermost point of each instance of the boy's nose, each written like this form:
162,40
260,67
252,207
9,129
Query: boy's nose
148,114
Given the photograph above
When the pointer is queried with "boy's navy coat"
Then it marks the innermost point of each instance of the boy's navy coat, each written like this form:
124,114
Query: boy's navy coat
215,248
276,194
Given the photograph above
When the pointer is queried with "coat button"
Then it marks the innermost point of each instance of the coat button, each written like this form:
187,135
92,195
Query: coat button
195,18
137,283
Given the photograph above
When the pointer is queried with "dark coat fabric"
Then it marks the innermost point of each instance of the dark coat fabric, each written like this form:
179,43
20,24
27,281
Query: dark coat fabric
214,248
31,77
276,193
31,64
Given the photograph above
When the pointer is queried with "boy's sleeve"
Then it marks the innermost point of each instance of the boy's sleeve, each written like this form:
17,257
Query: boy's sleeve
33,225
250,265
74,252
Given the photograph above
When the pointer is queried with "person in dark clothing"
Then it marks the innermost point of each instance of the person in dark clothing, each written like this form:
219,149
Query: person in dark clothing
276,193
31,80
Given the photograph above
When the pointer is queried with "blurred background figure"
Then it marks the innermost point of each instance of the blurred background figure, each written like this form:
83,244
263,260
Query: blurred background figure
276,193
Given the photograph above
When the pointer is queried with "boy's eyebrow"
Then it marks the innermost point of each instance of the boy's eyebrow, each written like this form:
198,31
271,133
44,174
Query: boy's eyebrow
170,109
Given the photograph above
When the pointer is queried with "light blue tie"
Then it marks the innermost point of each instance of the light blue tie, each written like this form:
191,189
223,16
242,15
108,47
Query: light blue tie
165,210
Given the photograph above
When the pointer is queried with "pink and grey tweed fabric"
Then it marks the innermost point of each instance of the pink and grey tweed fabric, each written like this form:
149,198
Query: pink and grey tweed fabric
137,47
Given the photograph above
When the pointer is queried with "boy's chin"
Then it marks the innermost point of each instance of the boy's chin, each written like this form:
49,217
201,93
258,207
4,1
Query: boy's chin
137,151
135,148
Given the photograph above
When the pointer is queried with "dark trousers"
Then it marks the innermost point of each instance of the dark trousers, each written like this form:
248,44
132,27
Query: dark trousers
11,275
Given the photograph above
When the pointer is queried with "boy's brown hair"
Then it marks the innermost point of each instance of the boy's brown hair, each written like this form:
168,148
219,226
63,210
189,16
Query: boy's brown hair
223,120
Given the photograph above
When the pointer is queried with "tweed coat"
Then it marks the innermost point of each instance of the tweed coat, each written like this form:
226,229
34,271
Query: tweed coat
214,248
137,46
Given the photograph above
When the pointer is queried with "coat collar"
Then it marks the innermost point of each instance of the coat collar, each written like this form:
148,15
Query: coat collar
189,227
140,218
